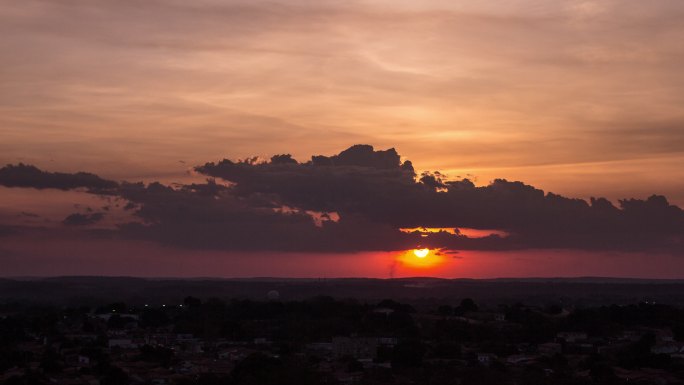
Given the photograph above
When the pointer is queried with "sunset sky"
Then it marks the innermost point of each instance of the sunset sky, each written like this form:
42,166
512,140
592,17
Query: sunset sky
579,98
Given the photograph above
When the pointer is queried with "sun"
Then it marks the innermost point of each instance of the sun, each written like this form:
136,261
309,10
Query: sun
422,258
421,253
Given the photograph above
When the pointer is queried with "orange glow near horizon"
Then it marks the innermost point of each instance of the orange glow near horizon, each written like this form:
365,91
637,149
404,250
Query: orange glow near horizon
421,258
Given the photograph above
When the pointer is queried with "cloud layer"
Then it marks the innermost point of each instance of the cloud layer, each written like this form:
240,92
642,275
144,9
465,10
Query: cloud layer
22,175
358,200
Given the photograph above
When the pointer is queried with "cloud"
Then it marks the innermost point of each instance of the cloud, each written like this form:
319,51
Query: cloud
192,218
361,155
22,175
357,180
77,219
390,195
359,199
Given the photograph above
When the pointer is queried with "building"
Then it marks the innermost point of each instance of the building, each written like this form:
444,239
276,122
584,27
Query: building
357,347
572,336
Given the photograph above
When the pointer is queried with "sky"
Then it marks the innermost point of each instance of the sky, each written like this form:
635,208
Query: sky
578,98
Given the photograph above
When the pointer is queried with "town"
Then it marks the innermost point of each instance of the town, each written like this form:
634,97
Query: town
324,340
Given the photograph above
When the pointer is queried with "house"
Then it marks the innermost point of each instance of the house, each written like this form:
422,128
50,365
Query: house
572,336
77,360
387,341
666,348
180,337
520,359
664,335
123,343
550,349
384,311
630,335
357,347
83,360
645,376
81,337
319,349
161,339
107,316
612,348
485,358
11,372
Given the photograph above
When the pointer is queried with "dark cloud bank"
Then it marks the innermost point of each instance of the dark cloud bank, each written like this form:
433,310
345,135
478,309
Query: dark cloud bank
23,175
269,206
77,219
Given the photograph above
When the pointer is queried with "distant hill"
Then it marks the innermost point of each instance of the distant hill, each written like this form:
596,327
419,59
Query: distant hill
571,291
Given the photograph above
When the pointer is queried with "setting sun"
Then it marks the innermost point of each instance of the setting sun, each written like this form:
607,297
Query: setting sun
421,258
421,253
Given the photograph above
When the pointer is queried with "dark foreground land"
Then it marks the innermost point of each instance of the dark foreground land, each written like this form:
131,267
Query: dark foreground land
117,331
